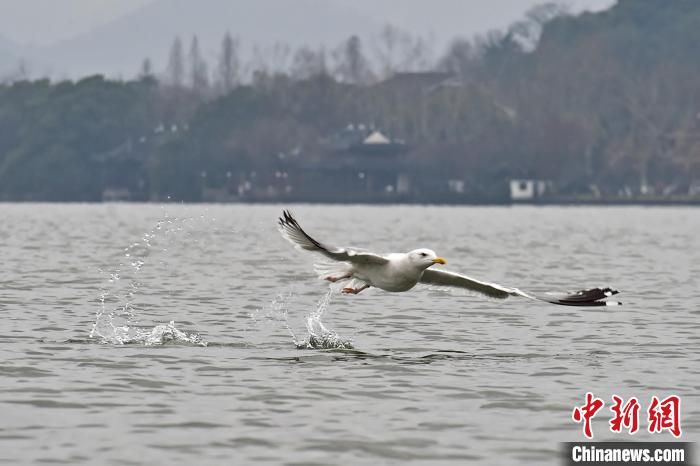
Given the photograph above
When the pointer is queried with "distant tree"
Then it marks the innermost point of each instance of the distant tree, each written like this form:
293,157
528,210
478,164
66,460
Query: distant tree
386,48
416,53
199,74
176,64
397,50
527,31
461,57
229,64
146,70
309,63
270,60
351,64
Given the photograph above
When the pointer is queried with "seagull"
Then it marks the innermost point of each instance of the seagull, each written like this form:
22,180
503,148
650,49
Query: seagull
398,272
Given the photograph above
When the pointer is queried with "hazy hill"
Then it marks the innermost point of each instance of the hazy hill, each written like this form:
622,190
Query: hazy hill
640,34
116,48
120,46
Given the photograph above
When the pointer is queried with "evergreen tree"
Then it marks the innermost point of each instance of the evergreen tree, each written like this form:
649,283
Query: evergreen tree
229,65
199,75
176,64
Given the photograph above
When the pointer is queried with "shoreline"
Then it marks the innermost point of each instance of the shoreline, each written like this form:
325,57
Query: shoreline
546,202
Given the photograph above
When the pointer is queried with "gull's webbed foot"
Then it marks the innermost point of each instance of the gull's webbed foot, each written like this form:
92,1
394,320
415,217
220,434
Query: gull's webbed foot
354,290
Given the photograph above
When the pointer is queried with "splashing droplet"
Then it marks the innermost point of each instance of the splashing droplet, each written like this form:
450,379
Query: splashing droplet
115,321
321,337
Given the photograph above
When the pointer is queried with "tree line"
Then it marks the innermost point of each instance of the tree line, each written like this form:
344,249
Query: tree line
392,50
599,104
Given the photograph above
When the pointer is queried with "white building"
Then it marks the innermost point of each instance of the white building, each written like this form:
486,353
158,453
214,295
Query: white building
527,190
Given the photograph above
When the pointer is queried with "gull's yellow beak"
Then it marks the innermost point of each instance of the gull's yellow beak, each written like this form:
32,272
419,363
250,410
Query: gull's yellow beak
439,260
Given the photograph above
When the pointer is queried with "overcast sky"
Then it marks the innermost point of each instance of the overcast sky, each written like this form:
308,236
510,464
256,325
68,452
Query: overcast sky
43,22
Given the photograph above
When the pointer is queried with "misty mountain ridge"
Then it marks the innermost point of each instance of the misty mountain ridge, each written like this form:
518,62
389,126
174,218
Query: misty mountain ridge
119,47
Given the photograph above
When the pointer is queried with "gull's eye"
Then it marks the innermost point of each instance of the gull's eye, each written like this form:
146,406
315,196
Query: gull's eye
423,254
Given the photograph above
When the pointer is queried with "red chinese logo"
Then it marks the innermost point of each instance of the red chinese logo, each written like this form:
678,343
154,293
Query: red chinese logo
626,416
662,414
665,415
587,412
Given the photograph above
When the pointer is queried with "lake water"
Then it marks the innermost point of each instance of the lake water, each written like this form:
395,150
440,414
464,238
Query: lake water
145,334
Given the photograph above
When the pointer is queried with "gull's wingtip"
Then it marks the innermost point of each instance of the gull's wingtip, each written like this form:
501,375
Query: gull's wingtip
583,298
286,219
610,292
284,222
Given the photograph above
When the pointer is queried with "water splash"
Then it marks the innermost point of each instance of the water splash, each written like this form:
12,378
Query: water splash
319,336
163,334
166,334
277,312
116,317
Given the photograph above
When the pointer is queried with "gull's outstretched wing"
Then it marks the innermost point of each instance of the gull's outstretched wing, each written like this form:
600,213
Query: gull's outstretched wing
592,297
293,233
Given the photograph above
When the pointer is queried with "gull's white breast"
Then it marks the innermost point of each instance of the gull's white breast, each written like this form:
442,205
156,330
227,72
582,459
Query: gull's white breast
396,275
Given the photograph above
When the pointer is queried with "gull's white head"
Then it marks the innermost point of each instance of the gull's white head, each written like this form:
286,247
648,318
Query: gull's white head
424,258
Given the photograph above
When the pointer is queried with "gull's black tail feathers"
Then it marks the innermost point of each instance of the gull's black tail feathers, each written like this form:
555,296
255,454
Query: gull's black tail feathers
584,298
